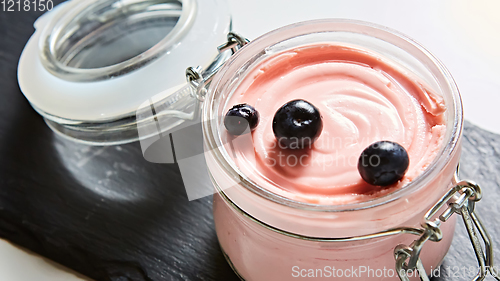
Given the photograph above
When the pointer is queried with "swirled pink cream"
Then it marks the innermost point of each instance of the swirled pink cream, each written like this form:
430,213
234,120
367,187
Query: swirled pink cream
362,97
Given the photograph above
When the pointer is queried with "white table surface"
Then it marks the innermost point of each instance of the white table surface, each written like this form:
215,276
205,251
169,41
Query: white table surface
462,33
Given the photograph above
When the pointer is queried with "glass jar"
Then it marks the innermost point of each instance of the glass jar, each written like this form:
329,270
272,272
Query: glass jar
91,87
266,236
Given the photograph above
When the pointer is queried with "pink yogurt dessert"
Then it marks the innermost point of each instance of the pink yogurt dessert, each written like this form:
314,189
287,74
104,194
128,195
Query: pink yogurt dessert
307,214
362,97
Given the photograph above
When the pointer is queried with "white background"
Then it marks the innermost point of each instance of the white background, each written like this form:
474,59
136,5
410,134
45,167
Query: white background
464,34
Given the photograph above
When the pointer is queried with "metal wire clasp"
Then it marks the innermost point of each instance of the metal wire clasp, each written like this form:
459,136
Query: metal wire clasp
461,199
199,78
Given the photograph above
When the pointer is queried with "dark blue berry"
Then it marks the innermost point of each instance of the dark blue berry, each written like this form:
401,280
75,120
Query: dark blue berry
383,163
239,117
297,124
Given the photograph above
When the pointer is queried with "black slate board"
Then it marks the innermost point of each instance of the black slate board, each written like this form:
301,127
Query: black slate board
109,214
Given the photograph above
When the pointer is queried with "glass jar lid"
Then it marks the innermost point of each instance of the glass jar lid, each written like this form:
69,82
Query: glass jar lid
91,64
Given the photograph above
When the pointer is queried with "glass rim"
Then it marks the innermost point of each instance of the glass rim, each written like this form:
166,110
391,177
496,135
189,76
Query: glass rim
210,128
51,37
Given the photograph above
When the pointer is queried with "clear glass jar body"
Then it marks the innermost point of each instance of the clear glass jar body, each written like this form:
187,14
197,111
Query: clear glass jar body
256,252
269,237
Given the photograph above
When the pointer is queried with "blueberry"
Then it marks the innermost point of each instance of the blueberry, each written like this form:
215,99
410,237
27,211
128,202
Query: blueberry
239,117
383,163
297,124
